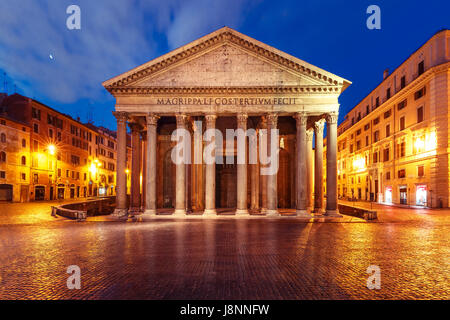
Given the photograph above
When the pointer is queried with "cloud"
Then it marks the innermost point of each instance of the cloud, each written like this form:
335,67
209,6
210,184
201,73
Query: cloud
115,36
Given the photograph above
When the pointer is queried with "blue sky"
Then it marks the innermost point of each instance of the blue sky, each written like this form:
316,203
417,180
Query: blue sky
118,35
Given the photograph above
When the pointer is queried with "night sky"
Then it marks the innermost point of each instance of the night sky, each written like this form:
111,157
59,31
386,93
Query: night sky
65,68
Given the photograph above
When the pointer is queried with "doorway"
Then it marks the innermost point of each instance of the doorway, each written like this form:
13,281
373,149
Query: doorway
421,195
226,193
6,192
60,193
403,195
39,193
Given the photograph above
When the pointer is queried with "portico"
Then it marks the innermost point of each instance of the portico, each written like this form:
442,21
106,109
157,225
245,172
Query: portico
226,80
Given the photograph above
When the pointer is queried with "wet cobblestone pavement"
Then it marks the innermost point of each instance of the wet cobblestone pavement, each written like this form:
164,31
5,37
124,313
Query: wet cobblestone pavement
223,258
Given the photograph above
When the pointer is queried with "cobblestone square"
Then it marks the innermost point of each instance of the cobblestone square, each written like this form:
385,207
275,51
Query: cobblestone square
224,258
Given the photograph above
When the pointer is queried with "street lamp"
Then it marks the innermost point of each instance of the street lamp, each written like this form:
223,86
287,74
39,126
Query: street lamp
51,151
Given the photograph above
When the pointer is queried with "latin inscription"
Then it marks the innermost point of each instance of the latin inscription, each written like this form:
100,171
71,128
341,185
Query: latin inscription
226,101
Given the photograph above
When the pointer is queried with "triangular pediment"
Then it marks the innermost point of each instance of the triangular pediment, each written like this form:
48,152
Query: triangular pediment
226,65
226,58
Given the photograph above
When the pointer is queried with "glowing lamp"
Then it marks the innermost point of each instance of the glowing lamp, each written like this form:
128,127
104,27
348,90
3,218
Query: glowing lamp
51,149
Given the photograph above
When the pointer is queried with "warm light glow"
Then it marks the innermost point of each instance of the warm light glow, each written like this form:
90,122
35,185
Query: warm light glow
51,149
419,144
359,164
431,140
127,171
93,169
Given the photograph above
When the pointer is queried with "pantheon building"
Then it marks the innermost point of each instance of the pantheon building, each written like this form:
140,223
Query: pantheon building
227,80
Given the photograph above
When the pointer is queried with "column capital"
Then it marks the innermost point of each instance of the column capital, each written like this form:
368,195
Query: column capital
152,119
309,134
135,127
181,119
318,125
210,118
121,116
272,119
301,118
242,119
332,118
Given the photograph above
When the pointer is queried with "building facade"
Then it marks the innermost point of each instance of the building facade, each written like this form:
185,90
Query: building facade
393,147
50,156
226,80
14,160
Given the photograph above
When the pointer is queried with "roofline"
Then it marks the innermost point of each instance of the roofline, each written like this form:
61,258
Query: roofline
60,113
393,71
108,82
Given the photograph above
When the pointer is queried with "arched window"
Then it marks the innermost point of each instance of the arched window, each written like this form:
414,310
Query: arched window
3,137
2,156
24,160
24,143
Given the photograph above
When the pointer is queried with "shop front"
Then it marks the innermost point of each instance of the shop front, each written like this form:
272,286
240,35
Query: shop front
421,195
388,194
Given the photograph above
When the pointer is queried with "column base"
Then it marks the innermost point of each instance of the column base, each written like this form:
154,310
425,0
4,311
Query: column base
119,213
150,212
272,213
302,213
179,212
210,212
242,212
317,211
333,213
263,210
134,211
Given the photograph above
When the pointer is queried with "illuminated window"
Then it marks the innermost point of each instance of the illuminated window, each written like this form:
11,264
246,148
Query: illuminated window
419,114
402,104
419,144
376,136
420,171
402,123
419,94
420,68
386,154
376,121
402,82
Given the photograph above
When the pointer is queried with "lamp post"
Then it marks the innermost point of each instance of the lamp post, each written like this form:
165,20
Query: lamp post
51,151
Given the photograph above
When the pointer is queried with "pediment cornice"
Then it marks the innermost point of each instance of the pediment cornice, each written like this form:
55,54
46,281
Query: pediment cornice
222,36
124,90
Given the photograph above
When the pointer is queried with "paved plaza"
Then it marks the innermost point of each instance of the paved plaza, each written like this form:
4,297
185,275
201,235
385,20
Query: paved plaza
224,258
